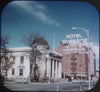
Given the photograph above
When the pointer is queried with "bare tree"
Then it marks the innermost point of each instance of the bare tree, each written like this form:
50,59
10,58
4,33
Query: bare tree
5,62
4,42
36,43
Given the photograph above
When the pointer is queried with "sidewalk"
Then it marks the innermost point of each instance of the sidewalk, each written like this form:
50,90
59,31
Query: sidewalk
8,82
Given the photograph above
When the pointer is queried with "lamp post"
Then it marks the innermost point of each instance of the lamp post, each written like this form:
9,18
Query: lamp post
87,33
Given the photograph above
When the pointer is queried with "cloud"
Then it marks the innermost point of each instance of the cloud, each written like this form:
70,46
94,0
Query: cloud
44,18
36,9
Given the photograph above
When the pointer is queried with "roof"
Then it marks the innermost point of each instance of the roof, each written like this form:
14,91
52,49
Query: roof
28,48
55,52
19,49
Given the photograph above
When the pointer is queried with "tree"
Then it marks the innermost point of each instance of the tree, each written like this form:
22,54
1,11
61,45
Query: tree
4,42
5,62
36,44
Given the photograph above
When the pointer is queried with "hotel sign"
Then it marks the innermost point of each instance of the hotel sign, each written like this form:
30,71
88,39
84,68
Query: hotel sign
71,36
75,39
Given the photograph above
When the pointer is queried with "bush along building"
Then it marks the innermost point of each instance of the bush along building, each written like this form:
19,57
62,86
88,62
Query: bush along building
75,57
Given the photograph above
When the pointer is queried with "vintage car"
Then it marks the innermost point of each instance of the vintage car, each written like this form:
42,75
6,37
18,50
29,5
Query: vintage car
20,80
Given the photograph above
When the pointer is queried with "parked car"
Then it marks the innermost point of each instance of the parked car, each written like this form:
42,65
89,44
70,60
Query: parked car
75,80
92,81
20,80
79,80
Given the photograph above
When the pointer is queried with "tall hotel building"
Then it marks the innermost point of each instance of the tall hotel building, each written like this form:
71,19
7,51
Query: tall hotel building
75,57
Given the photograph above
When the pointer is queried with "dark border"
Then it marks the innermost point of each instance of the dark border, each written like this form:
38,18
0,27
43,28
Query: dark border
95,3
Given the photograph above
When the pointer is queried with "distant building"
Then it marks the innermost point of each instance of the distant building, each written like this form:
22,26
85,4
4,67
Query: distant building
75,58
97,73
49,64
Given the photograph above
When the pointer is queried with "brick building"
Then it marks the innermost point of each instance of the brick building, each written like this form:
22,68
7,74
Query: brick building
75,59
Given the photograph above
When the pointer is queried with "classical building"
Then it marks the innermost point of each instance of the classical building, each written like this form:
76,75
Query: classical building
75,57
49,64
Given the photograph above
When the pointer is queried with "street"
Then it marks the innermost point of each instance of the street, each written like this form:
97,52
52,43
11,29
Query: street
69,86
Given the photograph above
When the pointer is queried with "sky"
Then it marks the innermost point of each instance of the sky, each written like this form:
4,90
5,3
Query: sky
47,18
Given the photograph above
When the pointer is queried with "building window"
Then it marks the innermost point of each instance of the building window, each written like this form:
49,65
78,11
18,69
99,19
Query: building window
1,57
13,71
67,60
66,56
73,55
67,52
73,60
13,58
20,72
21,59
80,56
5,72
80,65
67,66
74,51
6,58
79,51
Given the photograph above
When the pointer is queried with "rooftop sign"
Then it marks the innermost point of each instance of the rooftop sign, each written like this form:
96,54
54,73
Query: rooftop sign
75,36
74,39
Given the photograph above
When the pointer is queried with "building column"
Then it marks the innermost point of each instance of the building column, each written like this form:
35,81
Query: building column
56,69
48,67
52,68
60,69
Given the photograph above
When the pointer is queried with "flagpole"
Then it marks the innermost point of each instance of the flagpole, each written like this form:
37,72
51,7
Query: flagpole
54,41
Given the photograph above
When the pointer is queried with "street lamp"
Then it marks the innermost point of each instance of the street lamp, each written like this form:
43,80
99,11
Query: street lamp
87,33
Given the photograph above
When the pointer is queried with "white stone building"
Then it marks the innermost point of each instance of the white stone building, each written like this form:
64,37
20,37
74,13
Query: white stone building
49,64
92,63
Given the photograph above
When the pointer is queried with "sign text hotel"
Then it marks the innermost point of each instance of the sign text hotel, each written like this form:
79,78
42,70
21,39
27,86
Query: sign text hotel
71,36
75,39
